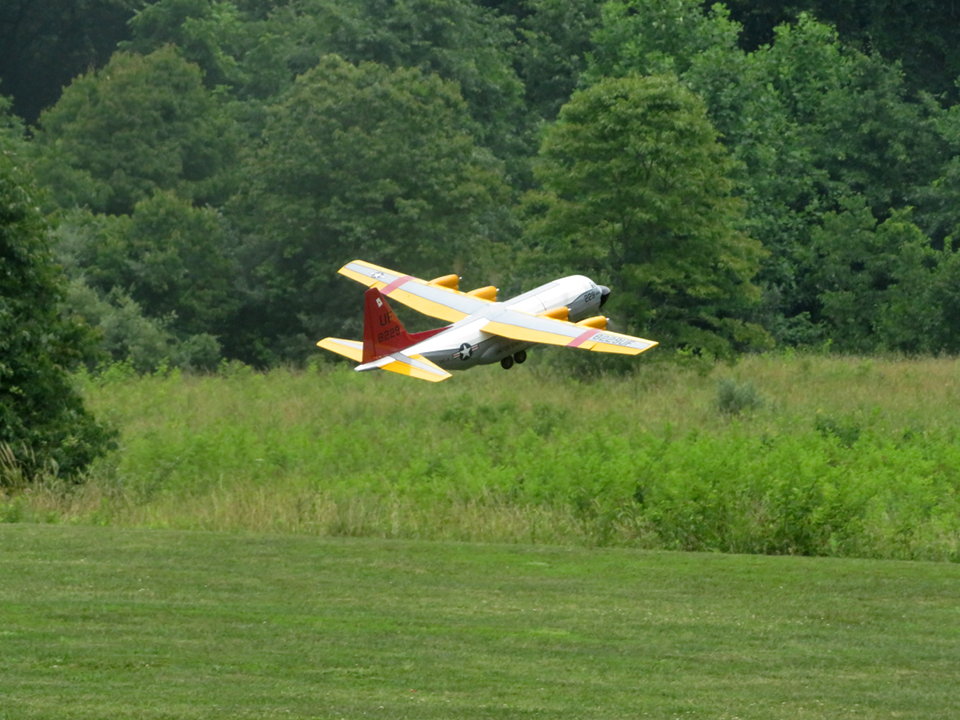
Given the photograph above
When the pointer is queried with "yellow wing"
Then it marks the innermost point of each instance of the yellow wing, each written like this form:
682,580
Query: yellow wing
517,325
436,298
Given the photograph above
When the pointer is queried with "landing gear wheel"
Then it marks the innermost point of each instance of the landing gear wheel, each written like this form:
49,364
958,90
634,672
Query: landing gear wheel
506,363
520,356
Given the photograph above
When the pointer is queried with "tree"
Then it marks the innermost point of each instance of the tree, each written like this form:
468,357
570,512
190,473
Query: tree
637,192
554,49
921,36
154,280
141,124
938,202
657,36
863,131
808,121
356,161
458,40
257,50
210,33
44,427
882,286
173,259
43,45
943,293
127,335
11,128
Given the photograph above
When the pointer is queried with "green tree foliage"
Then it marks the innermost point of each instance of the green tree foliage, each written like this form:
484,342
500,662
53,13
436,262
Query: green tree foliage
357,161
938,202
259,56
128,337
637,191
832,149
11,128
456,39
882,286
809,123
847,129
133,339
922,36
158,278
553,52
209,33
43,45
43,424
853,114
657,36
173,259
141,124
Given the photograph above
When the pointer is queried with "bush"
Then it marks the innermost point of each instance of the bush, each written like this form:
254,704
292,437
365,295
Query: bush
734,398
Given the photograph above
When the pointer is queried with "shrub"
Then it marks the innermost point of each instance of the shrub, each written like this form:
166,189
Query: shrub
735,398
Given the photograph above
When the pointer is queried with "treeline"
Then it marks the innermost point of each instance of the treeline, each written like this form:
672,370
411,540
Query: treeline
743,176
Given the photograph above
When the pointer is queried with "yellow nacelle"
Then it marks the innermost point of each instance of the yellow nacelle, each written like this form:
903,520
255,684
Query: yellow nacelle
485,293
560,313
447,281
597,321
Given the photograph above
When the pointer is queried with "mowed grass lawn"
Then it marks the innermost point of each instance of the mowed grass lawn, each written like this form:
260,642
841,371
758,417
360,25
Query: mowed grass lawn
132,623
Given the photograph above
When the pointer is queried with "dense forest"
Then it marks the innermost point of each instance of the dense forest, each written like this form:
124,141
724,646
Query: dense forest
744,176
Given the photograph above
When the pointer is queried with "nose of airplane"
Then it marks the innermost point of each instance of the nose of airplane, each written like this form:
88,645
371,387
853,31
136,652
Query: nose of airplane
604,294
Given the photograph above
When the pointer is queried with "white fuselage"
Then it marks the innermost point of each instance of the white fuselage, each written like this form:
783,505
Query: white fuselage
464,344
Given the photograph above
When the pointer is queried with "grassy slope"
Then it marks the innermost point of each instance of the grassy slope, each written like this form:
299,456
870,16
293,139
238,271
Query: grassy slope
120,623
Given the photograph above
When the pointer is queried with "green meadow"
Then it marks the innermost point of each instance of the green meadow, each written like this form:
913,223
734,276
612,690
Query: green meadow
136,623
778,454
326,544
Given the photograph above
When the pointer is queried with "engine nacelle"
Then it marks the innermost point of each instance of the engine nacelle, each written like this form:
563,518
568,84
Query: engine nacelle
560,313
597,321
486,293
447,281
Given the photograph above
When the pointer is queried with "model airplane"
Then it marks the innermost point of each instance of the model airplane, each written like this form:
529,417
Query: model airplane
562,312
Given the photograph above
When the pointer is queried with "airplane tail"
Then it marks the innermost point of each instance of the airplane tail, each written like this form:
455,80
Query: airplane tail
383,333
384,340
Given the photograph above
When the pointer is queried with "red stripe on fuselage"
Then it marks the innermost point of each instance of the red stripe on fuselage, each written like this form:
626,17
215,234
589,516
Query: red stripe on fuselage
582,337
395,284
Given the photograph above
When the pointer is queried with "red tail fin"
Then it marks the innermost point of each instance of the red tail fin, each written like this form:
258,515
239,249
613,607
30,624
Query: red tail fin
383,333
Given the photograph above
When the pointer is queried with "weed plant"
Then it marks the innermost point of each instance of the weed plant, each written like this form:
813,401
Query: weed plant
807,455
736,398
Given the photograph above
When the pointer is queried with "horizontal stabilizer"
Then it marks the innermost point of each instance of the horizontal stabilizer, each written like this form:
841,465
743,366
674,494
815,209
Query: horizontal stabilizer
416,366
352,349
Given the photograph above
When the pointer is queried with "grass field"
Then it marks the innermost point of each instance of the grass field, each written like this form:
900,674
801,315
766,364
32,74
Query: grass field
778,454
132,623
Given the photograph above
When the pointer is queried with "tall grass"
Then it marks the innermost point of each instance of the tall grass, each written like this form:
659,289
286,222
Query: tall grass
778,454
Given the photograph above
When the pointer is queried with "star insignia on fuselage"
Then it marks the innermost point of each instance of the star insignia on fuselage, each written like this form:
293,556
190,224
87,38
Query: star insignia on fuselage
466,350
